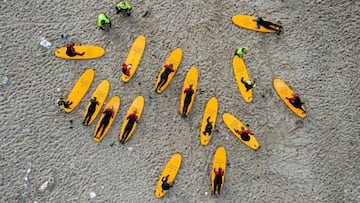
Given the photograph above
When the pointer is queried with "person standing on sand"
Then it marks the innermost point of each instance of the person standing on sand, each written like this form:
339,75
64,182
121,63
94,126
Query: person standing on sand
268,25
123,6
103,22
132,118
164,76
244,134
188,96
109,113
241,51
248,84
296,102
218,180
90,110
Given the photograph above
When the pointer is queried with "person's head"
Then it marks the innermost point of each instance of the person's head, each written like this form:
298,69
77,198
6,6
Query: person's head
242,128
111,107
135,111
220,169
102,22
245,50
171,65
260,17
295,94
191,85
94,98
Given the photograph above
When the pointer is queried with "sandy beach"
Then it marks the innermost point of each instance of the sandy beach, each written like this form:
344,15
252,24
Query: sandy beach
315,159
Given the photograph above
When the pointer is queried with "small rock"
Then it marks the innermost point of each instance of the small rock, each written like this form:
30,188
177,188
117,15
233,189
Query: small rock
92,195
1,180
130,149
58,89
206,193
5,80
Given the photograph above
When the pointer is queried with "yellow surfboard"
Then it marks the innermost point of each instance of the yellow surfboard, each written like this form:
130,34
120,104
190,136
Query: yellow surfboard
248,22
233,123
100,93
218,162
80,89
191,78
115,103
172,167
91,52
241,72
211,111
175,59
283,90
137,105
134,56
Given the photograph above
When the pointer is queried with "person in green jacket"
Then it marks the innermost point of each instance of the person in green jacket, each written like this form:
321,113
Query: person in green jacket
103,22
123,6
241,51
248,84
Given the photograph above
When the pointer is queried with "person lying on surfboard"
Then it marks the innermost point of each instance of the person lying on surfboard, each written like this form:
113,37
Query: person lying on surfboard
268,25
126,69
63,104
241,51
123,6
70,50
296,102
218,180
165,185
248,84
132,118
109,113
188,96
208,128
164,76
103,22
90,110
244,134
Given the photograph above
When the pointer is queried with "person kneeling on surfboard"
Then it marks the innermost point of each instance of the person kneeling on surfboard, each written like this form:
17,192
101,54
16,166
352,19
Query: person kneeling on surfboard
109,113
218,180
123,6
208,128
268,25
103,22
165,185
296,102
241,51
188,95
132,118
164,75
90,110
248,84
70,50
244,134
62,104
126,69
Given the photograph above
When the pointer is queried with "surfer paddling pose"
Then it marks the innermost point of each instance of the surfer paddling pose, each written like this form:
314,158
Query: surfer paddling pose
70,50
218,180
126,69
188,96
296,102
268,25
109,113
241,51
63,104
165,185
123,6
164,76
132,118
248,84
244,134
209,127
90,110
103,22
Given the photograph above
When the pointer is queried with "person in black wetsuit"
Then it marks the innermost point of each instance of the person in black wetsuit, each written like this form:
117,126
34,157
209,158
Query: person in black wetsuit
132,118
208,128
244,134
268,25
164,76
70,50
90,110
63,104
248,84
218,180
188,96
165,185
296,102
109,113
